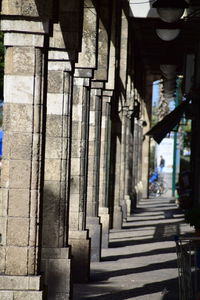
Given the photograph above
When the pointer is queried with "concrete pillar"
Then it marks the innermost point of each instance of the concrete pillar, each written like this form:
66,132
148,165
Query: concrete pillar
92,220
56,264
104,171
22,167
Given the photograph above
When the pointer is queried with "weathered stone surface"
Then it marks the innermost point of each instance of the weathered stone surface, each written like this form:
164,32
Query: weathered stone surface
21,91
25,26
18,203
28,296
2,260
6,295
75,166
20,60
18,231
55,82
52,169
21,145
54,126
5,174
53,147
28,8
21,39
22,120
19,282
81,256
16,261
19,174
94,226
55,104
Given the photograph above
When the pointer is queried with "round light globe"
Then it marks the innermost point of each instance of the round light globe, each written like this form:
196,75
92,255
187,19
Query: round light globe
167,34
170,15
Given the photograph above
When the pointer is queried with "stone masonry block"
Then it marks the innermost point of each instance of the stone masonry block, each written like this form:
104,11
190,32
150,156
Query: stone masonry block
3,230
6,145
6,295
16,261
19,174
5,174
58,273
76,148
23,117
55,82
52,169
3,201
21,145
35,171
26,295
21,91
74,185
17,283
54,126
18,231
77,112
55,104
53,147
11,7
32,253
75,166
20,60
18,203
2,259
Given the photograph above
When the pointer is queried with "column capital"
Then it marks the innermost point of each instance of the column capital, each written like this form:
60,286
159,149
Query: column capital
24,32
108,93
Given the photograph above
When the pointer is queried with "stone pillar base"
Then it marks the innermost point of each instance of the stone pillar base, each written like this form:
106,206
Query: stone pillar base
124,210
105,220
56,266
20,287
80,250
95,232
117,217
128,205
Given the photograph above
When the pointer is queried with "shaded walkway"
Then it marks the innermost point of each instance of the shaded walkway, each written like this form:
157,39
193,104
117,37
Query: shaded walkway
141,260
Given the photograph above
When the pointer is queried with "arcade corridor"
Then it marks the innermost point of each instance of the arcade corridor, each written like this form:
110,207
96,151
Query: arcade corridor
141,261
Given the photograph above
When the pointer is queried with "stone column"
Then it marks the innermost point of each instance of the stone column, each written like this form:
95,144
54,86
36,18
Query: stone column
124,122
104,171
129,163
55,253
22,166
92,220
78,235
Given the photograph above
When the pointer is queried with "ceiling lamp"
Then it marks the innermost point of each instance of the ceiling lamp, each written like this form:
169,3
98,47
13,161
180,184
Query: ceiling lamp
170,10
166,34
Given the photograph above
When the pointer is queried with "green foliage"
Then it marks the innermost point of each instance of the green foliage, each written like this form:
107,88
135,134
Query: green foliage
154,117
192,217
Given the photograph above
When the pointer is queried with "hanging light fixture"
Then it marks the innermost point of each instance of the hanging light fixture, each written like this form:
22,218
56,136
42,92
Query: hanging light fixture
166,34
170,10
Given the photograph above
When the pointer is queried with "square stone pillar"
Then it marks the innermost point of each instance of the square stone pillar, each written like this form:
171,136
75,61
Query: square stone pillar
22,164
92,219
105,171
78,235
56,264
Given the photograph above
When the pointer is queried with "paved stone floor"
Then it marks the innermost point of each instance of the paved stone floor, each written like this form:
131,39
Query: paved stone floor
140,262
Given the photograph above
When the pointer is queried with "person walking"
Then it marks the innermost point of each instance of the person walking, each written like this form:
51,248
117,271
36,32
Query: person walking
162,163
